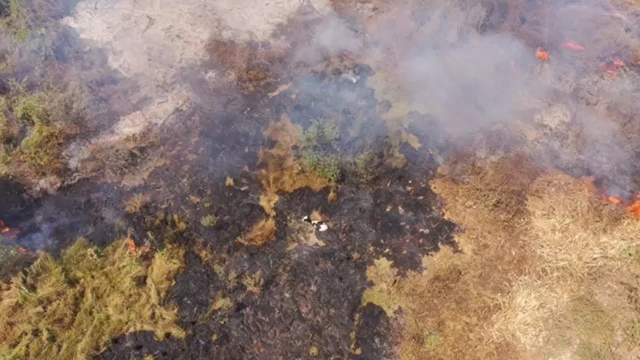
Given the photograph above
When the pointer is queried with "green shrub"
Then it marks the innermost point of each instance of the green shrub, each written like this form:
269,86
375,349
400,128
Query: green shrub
365,165
42,150
319,133
31,109
327,167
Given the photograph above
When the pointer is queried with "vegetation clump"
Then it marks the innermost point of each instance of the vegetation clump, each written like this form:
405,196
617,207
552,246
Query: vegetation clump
327,167
73,307
282,171
209,220
261,233
320,133
136,203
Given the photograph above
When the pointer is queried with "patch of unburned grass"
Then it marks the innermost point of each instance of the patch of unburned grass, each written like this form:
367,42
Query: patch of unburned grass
460,295
136,203
443,309
321,132
581,244
253,282
208,220
546,270
220,303
260,233
42,150
282,173
71,308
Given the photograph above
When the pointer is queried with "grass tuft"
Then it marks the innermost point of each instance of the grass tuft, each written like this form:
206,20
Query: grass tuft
71,308
281,172
261,233
209,220
136,203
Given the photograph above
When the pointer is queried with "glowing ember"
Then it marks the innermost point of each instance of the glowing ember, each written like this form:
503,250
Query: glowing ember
134,248
542,54
130,244
614,200
635,208
573,46
3,227
611,68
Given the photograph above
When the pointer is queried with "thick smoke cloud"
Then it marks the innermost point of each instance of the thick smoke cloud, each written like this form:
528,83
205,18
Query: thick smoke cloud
471,79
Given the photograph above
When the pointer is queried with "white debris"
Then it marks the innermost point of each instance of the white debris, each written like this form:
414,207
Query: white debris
320,225
349,77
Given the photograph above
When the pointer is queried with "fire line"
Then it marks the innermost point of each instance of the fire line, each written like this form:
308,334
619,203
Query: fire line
3,227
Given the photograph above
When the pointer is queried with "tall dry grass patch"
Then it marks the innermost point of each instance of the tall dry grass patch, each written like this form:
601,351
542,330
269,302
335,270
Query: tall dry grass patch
572,301
546,270
447,309
73,307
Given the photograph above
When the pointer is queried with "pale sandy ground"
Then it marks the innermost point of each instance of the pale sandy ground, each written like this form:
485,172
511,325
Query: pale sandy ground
151,40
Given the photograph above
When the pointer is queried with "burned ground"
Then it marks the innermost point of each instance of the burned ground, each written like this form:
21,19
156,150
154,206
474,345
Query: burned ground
392,215
256,281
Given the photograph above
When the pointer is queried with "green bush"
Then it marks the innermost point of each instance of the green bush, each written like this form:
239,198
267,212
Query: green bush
321,132
31,109
327,167
42,150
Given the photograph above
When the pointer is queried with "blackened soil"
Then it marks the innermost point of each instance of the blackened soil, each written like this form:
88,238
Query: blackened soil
283,302
309,296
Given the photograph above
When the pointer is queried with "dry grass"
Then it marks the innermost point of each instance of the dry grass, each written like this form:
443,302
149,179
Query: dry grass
128,161
447,308
261,233
72,308
137,202
301,233
582,244
249,67
281,172
546,270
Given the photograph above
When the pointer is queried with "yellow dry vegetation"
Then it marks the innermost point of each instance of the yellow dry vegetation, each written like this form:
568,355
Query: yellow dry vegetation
281,172
578,295
546,270
134,204
261,233
73,307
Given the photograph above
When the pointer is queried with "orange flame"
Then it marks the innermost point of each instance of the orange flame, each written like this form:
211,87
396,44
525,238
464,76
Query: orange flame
3,227
635,208
614,200
542,54
130,244
573,46
611,68
134,248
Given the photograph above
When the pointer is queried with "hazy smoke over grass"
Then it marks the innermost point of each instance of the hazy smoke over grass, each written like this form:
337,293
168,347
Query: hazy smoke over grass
452,62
